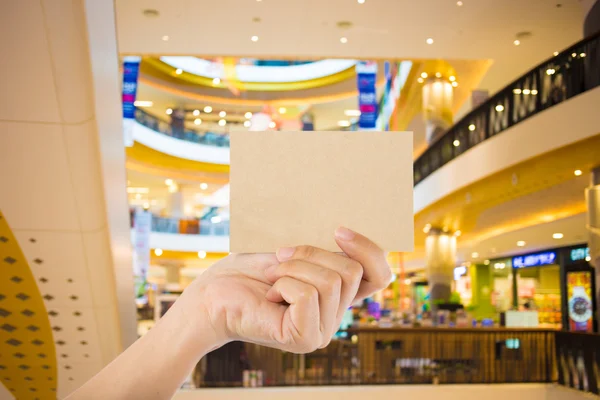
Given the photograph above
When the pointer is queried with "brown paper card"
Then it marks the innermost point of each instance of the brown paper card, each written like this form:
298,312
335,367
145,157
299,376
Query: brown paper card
294,188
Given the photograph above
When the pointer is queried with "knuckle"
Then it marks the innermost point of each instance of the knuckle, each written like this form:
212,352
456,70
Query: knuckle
353,270
309,292
305,252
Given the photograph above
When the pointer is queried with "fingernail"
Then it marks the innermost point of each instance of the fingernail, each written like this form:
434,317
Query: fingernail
344,233
285,253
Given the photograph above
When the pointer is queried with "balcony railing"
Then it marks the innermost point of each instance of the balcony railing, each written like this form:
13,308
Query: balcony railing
572,72
187,226
160,126
414,356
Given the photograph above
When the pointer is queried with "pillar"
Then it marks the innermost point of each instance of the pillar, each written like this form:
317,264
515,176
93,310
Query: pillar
482,284
437,106
592,196
440,260
175,205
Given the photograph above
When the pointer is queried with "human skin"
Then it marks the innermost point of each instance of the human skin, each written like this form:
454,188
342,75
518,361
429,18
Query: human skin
293,300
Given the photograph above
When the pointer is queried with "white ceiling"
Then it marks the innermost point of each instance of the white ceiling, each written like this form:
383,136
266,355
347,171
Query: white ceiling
384,29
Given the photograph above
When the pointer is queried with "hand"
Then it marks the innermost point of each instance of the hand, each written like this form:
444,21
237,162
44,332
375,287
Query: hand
293,300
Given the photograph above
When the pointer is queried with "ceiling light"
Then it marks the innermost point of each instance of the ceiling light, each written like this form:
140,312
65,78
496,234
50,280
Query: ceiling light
454,84
254,38
168,182
208,109
178,71
555,53
517,42
472,127
534,92
456,143
420,80
457,233
517,91
550,71
429,41
582,55
216,219
197,121
361,1
196,113
424,75
216,81
204,186
272,124
577,172
169,111
438,75
486,262
352,113
165,38
158,252
526,91
573,54
146,205
499,108
143,103
222,122
282,110
247,124
459,3
452,78
248,115
222,114
521,243
427,228
475,254
557,235
588,258
202,254
344,123
173,189
343,40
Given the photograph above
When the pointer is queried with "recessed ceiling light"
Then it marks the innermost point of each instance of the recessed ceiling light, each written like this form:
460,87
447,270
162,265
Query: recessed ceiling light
457,233
248,115
517,91
254,38
456,143
247,124
343,123
486,262
555,53
282,110
197,121
550,71
534,92
472,127
573,54
204,186
208,109
216,81
344,39
438,75
557,235
165,38
420,80
526,91
582,55
499,108
452,78
426,228
459,3
424,75
475,254
222,114
577,172
143,103
202,254
158,252
272,125
361,1
429,41
222,122
521,243
454,84
178,71
168,182
196,113
517,42
352,113
169,111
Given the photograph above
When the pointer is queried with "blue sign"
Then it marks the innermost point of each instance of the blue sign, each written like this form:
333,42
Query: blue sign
131,68
534,260
366,72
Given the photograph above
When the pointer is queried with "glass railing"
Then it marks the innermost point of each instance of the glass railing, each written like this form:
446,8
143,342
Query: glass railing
160,126
572,72
187,226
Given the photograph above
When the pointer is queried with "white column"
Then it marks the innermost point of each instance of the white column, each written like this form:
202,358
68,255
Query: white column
437,107
440,260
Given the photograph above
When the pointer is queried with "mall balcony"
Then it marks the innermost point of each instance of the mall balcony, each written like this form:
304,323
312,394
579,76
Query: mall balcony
98,239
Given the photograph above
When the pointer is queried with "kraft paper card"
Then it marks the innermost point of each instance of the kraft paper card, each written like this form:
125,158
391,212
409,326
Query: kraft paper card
294,188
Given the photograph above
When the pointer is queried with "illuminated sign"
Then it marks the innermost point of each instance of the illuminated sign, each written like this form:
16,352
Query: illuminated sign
534,260
581,253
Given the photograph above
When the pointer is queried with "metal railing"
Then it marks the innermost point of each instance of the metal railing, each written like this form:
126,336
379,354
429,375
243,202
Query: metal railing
185,226
578,361
572,72
160,126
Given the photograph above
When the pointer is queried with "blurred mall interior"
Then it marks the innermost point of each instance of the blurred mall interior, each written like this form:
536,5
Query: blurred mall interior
115,119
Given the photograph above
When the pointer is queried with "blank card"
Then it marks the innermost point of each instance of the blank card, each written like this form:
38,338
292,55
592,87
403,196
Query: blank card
294,188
